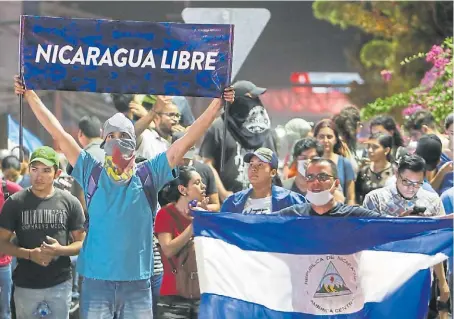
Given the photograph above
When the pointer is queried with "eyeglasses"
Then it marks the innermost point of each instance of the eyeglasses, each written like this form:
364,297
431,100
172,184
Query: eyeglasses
321,177
408,183
175,115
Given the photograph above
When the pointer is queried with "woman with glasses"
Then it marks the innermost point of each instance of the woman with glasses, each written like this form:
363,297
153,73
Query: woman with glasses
375,174
333,149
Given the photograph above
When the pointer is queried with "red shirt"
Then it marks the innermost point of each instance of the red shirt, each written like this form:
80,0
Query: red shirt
166,224
12,188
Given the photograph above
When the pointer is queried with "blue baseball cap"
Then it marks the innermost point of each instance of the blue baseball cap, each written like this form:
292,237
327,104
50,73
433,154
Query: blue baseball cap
265,155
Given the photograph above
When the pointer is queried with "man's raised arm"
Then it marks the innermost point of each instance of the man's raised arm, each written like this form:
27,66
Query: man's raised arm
66,142
197,129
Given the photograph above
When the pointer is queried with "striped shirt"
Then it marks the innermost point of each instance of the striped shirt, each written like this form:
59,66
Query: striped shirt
158,267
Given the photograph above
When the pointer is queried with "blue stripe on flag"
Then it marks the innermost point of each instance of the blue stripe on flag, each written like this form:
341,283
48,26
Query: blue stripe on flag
409,302
216,306
268,233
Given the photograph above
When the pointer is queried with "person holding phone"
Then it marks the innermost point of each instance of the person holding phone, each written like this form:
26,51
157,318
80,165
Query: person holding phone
407,197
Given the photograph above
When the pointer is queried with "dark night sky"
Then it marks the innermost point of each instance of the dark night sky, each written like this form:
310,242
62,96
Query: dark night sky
293,40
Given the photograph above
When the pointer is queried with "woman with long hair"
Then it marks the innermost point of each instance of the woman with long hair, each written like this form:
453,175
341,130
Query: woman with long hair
375,174
348,123
387,125
327,134
174,230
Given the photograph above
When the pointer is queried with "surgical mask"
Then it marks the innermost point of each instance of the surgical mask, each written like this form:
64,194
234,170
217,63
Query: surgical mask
302,164
319,199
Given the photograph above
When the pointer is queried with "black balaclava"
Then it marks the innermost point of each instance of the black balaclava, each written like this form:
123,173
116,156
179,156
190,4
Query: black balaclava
248,122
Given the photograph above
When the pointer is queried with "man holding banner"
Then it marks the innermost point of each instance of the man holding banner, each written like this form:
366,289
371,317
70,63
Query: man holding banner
115,258
108,56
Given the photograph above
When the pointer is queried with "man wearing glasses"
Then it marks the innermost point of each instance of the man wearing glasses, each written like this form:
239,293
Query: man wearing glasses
165,116
322,182
405,195
406,192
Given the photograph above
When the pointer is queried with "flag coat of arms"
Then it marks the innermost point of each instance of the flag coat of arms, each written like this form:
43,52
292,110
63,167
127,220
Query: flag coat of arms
317,267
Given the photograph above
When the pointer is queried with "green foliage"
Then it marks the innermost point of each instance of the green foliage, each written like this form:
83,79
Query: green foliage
436,96
386,105
388,32
377,53
412,58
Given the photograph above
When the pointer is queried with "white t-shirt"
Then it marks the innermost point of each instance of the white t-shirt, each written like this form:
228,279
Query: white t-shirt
258,206
151,144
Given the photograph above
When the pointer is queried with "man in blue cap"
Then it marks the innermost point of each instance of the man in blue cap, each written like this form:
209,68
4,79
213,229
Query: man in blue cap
263,197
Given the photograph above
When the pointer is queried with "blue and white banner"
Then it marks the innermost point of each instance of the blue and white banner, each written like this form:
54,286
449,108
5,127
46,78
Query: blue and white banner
318,267
126,56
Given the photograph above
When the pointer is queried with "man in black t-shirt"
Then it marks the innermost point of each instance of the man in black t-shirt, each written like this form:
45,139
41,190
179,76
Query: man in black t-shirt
45,221
248,128
322,181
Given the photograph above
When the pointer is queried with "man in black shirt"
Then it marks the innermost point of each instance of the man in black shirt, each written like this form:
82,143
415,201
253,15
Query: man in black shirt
322,181
44,219
248,128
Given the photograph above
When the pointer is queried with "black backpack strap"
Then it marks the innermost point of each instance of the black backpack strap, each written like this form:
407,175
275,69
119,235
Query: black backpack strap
92,183
173,213
5,191
91,189
148,186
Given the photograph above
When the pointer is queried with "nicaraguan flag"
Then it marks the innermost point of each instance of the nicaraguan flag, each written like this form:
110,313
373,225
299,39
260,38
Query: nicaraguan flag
253,266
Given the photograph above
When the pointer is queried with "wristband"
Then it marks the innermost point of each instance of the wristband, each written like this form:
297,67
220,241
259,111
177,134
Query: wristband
29,255
443,306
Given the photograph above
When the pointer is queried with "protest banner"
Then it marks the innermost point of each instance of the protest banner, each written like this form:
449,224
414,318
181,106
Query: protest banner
112,56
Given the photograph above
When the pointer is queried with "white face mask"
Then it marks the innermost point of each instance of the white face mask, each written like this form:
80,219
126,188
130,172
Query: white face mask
319,199
302,167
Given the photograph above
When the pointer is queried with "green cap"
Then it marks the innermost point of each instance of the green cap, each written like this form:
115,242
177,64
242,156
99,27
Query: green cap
45,155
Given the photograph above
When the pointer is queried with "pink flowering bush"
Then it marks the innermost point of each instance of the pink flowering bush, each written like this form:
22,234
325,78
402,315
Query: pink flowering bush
435,91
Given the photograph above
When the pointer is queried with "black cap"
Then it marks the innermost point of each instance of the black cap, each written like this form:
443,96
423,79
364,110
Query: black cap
430,149
244,87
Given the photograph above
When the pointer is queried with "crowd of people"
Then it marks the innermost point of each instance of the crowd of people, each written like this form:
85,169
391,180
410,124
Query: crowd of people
120,208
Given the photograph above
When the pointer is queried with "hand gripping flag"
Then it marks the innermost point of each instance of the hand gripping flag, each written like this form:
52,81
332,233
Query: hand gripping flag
288,267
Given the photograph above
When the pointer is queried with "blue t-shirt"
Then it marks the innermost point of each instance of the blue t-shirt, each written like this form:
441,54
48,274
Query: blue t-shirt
448,180
345,172
119,243
447,198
